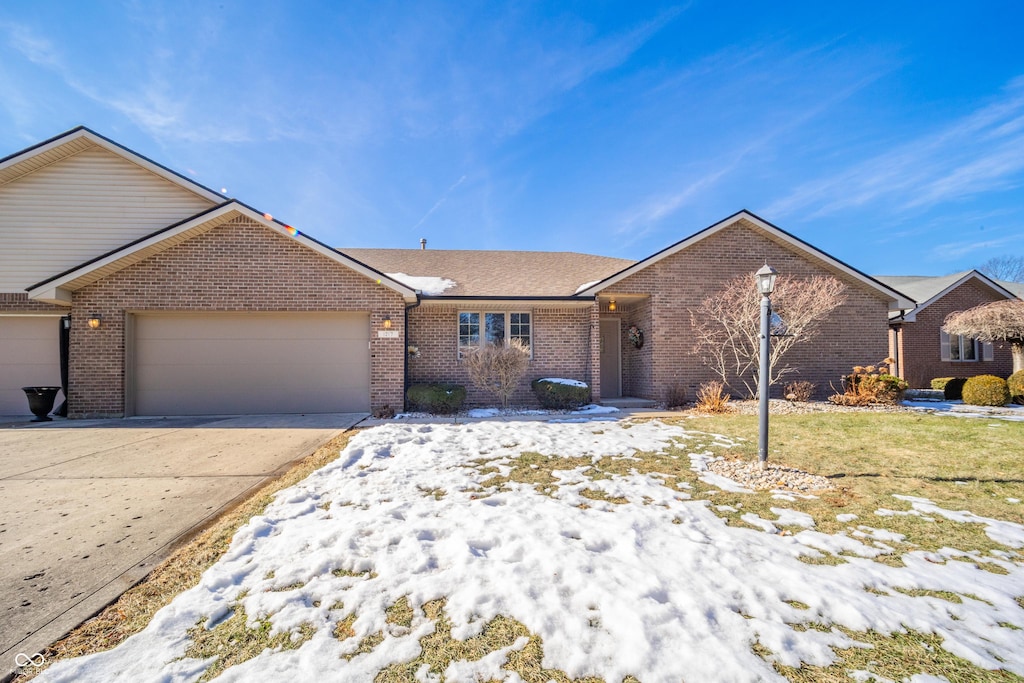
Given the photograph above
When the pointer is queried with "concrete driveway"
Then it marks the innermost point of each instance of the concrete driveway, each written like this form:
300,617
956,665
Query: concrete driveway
87,508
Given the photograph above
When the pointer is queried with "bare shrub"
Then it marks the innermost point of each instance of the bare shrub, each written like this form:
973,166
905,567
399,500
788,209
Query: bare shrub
498,369
799,391
675,395
711,398
727,327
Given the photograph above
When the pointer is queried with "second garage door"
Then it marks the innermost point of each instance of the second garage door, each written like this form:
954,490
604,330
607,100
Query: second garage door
243,364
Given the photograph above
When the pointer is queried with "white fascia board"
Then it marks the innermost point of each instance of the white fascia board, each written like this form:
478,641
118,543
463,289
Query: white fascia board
898,301
52,295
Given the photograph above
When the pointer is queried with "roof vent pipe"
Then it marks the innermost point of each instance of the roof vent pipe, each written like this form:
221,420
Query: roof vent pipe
423,243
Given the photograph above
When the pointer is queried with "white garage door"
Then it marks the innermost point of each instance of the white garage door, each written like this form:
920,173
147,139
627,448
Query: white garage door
29,356
225,364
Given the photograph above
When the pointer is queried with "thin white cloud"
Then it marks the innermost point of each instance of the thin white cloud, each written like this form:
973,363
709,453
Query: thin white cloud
952,251
982,152
439,202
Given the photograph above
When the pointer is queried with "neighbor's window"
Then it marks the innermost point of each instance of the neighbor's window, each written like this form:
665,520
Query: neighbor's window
477,329
962,348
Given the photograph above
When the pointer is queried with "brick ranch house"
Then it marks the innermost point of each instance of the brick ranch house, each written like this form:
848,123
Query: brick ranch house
916,340
179,301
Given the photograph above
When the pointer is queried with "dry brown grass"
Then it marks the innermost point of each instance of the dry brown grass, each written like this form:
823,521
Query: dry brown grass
130,613
233,642
711,398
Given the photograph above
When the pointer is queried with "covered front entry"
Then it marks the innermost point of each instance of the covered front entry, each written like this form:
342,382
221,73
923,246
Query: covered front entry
29,356
611,358
187,363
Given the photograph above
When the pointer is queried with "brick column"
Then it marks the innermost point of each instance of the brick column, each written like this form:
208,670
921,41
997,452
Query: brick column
595,352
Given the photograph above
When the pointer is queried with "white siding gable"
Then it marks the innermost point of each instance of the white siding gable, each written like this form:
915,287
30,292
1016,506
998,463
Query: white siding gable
81,207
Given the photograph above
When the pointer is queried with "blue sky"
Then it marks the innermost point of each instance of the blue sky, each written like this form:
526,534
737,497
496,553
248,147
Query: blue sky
890,135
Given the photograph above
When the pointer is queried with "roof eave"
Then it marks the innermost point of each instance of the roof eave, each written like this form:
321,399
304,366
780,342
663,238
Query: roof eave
60,286
897,300
116,148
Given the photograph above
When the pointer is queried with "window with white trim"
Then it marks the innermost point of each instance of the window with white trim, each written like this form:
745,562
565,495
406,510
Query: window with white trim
961,349
479,328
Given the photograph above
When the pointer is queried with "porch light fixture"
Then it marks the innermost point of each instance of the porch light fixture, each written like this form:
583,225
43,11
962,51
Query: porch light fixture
94,321
766,285
387,322
611,305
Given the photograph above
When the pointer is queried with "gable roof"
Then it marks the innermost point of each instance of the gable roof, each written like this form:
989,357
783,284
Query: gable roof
897,300
79,139
493,274
926,289
58,289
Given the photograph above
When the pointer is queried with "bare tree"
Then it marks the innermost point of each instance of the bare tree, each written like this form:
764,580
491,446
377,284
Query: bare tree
999,321
1009,268
498,369
727,329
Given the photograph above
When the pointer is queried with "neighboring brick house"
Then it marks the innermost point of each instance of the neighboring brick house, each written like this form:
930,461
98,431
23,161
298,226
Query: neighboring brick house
916,340
180,301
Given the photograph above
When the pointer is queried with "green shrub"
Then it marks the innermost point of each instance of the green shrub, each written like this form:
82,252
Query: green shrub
558,394
986,390
436,398
939,383
954,389
1016,386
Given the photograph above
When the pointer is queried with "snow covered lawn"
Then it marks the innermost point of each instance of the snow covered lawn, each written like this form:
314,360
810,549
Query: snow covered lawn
522,551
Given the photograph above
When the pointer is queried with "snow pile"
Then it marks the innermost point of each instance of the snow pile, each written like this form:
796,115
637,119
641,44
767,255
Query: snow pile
658,586
566,382
431,286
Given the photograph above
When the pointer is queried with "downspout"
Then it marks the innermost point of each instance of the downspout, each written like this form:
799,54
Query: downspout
405,354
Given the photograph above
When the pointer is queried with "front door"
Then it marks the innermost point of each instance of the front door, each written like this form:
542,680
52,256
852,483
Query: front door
611,358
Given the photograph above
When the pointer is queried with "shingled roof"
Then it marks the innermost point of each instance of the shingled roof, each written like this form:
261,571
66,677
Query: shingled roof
494,273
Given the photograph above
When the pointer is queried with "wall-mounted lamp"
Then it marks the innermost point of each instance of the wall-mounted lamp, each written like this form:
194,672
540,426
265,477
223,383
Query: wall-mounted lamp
387,322
94,321
611,305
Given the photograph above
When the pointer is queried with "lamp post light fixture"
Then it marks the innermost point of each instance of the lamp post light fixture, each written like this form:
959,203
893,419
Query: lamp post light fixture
766,285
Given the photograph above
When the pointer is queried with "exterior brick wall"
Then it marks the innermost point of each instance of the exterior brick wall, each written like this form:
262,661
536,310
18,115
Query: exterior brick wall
920,352
239,266
18,302
561,348
855,334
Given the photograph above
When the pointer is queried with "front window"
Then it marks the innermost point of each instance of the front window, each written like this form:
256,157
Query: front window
477,329
962,348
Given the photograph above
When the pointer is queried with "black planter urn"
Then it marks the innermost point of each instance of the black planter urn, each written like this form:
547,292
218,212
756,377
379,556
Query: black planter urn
40,401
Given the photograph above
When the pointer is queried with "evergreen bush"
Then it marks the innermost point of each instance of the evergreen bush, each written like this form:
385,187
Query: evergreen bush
439,399
1016,386
559,394
986,390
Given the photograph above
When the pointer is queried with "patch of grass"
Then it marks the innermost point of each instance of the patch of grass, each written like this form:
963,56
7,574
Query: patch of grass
131,612
343,629
436,493
233,642
400,613
869,456
921,592
366,645
597,494
896,657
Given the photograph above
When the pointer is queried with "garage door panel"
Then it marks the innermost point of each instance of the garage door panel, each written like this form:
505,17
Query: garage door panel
235,352
29,356
191,364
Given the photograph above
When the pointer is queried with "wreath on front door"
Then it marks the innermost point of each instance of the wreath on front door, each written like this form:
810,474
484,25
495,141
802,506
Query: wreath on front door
636,336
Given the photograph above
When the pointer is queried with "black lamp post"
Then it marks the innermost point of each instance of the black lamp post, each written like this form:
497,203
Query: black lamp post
766,285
